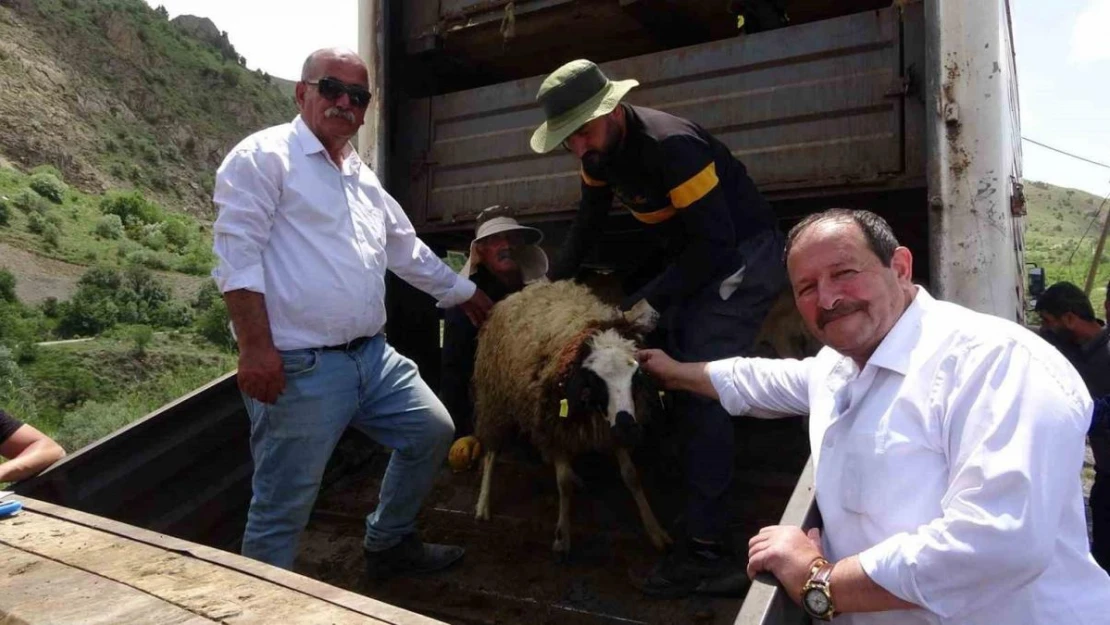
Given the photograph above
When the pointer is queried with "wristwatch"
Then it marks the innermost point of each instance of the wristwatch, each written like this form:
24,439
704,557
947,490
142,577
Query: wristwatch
817,594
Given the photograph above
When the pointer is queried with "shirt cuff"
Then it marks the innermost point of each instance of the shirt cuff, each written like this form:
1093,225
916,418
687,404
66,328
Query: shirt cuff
888,565
720,376
248,278
462,291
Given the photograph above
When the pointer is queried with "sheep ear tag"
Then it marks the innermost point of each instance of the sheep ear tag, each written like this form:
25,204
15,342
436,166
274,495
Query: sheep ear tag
564,409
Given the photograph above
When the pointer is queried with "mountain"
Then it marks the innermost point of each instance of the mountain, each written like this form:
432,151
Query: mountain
1062,228
113,94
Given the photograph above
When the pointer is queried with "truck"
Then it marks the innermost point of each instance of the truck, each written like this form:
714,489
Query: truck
908,109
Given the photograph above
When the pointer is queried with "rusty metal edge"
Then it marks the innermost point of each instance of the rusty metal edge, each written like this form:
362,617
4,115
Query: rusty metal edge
345,599
767,604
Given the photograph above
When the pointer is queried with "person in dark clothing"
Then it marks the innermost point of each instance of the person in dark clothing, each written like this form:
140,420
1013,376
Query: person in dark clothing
504,257
1067,313
724,269
28,451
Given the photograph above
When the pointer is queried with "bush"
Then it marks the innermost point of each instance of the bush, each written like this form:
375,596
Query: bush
49,187
15,389
51,308
177,232
52,235
5,211
131,207
148,259
153,238
212,324
36,223
7,287
30,202
141,336
109,227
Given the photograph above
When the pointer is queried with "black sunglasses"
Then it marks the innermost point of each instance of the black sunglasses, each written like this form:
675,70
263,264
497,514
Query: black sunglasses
332,88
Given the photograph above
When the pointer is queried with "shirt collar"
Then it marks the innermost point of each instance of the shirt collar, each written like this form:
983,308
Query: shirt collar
894,351
310,144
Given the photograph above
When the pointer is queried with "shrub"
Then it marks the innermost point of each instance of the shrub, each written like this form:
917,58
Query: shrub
52,235
49,187
5,211
30,202
7,287
109,227
141,336
36,223
153,238
131,207
212,324
51,308
146,258
177,232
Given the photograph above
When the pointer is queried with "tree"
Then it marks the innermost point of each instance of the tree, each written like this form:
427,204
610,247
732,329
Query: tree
7,287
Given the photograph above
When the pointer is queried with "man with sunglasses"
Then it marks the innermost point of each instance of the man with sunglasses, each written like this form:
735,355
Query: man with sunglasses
723,271
304,237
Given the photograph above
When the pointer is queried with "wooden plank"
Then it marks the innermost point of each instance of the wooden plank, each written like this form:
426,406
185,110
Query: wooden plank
39,591
206,581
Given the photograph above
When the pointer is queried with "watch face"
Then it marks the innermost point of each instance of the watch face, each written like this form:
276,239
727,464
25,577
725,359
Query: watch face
816,601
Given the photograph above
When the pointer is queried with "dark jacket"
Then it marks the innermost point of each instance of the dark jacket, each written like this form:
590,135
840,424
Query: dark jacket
678,179
1092,360
460,342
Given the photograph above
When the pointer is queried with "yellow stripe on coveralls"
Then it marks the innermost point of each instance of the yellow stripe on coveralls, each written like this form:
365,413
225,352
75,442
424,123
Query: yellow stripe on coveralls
695,188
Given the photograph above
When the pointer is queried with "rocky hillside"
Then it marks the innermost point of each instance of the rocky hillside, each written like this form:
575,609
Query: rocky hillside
113,94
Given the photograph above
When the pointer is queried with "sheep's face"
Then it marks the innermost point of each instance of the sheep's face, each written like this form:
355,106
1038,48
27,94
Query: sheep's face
604,384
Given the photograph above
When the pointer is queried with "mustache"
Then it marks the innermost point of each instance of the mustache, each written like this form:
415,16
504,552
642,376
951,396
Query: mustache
335,111
825,317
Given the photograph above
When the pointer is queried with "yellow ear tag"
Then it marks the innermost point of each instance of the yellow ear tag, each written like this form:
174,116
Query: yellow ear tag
563,408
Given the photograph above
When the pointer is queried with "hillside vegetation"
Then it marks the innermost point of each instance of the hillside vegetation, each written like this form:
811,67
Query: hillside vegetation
1062,228
112,94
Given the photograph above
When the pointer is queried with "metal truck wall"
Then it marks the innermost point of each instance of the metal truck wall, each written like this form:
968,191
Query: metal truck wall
811,109
184,470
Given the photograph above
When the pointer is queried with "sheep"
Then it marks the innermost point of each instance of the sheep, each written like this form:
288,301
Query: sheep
553,342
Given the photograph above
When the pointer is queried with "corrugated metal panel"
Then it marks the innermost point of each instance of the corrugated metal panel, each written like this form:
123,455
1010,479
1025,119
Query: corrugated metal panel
184,470
803,107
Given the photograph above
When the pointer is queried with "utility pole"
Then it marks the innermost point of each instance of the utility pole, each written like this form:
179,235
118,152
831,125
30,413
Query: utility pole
1098,255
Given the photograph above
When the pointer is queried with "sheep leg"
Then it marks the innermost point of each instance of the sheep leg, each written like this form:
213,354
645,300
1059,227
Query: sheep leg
564,476
481,511
656,533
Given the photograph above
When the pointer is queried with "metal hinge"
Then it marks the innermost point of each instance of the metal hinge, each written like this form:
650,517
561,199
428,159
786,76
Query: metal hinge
1017,198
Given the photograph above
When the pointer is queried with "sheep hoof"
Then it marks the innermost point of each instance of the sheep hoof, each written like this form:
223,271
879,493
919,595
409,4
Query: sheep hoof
482,513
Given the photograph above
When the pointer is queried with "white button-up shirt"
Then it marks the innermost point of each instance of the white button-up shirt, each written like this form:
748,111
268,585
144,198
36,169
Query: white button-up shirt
950,464
316,239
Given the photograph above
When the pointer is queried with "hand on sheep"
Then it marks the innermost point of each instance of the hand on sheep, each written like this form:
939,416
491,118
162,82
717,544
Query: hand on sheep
676,376
477,307
643,316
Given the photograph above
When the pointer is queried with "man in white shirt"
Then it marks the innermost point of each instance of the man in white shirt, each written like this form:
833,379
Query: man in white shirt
947,445
304,237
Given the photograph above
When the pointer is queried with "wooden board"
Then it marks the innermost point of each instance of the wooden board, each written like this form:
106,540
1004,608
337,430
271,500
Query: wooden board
62,566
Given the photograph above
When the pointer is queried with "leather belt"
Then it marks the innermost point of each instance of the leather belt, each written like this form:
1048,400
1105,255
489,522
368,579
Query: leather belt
349,346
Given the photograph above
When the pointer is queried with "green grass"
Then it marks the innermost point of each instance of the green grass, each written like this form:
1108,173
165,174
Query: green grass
77,216
1054,237
83,391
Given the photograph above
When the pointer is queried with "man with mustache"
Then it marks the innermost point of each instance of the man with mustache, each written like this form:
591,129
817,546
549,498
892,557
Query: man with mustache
722,270
946,443
304,237
504,257
1067,314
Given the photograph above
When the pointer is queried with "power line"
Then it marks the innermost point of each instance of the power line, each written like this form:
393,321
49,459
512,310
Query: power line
1087,160
1089,224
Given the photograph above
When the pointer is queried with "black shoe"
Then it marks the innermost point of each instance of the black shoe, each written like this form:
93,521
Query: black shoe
695,568
410,556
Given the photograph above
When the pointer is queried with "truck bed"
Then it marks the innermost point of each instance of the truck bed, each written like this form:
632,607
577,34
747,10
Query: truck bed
509,574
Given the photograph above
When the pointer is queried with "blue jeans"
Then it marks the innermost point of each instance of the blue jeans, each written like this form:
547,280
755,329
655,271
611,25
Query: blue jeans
373,389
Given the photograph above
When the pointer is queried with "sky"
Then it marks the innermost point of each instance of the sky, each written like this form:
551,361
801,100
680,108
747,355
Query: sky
1063,59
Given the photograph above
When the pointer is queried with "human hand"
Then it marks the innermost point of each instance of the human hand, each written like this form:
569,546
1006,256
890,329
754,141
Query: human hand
661,367
477,307
786,552
260,373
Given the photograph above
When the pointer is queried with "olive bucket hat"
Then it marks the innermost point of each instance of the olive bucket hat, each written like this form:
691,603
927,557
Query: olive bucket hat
572,96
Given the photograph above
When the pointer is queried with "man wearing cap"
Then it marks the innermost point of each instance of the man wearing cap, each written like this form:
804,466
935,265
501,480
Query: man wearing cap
724,269
1067,314
504,257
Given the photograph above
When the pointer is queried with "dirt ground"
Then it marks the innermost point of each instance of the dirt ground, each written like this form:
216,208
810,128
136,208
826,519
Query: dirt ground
38,278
